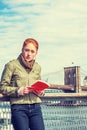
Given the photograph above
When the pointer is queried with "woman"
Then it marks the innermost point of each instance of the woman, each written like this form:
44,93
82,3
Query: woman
18,75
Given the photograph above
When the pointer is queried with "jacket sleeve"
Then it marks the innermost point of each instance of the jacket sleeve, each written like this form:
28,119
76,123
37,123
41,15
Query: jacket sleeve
5,87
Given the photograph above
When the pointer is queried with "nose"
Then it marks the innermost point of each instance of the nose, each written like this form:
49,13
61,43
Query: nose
29,52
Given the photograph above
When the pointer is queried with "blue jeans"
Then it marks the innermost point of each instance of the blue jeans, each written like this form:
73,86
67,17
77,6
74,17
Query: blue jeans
25,116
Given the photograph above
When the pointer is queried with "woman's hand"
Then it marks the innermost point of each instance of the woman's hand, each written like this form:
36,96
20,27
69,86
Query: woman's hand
39,93
20,91
24,90
27,90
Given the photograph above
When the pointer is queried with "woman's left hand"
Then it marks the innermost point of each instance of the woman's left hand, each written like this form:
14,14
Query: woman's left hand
39,93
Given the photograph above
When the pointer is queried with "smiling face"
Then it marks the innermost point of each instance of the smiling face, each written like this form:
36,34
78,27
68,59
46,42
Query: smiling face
29,51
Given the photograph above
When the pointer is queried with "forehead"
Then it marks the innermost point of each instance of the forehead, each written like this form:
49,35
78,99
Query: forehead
30,46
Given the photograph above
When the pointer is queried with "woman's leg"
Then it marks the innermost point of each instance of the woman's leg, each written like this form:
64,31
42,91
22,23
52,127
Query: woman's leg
19,118
36,119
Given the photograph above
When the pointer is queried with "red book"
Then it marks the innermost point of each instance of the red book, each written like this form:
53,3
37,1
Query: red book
39,86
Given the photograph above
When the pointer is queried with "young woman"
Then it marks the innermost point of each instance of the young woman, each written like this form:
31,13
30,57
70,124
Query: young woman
18,75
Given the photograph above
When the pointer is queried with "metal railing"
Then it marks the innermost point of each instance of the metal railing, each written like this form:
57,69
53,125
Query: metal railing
61,111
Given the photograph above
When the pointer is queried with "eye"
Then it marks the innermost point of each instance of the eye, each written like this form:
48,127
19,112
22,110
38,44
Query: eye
32,51
27,50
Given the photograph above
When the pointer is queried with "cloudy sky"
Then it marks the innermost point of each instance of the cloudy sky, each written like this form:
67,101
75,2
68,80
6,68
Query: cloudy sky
60,27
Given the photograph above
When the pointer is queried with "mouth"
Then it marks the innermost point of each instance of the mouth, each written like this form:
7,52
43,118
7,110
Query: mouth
28,58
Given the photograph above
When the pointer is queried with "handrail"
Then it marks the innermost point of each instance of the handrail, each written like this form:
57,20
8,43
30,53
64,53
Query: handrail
60,95
62,87
65,95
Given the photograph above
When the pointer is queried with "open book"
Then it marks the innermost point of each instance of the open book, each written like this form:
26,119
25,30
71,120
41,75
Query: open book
39,86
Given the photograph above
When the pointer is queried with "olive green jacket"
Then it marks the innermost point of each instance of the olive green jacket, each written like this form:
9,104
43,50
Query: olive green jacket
15,76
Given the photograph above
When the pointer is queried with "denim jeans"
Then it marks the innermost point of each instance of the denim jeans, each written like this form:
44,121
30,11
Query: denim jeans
27,117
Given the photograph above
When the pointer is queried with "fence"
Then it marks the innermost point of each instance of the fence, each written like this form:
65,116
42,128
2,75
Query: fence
61,111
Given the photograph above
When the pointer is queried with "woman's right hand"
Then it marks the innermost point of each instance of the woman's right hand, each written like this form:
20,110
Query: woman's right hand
20,91
24,90
27,90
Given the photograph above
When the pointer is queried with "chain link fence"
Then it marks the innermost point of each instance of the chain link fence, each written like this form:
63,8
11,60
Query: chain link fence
58,114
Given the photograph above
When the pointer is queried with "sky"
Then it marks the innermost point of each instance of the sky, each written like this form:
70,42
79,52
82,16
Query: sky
60,27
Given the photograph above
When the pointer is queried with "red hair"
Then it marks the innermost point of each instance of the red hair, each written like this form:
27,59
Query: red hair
31,40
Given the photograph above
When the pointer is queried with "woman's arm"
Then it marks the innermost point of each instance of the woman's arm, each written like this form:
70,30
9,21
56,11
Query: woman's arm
5,87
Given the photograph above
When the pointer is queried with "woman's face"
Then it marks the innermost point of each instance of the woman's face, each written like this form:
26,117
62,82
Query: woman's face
29,52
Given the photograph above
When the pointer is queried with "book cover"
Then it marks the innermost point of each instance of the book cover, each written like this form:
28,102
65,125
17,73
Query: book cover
39,86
